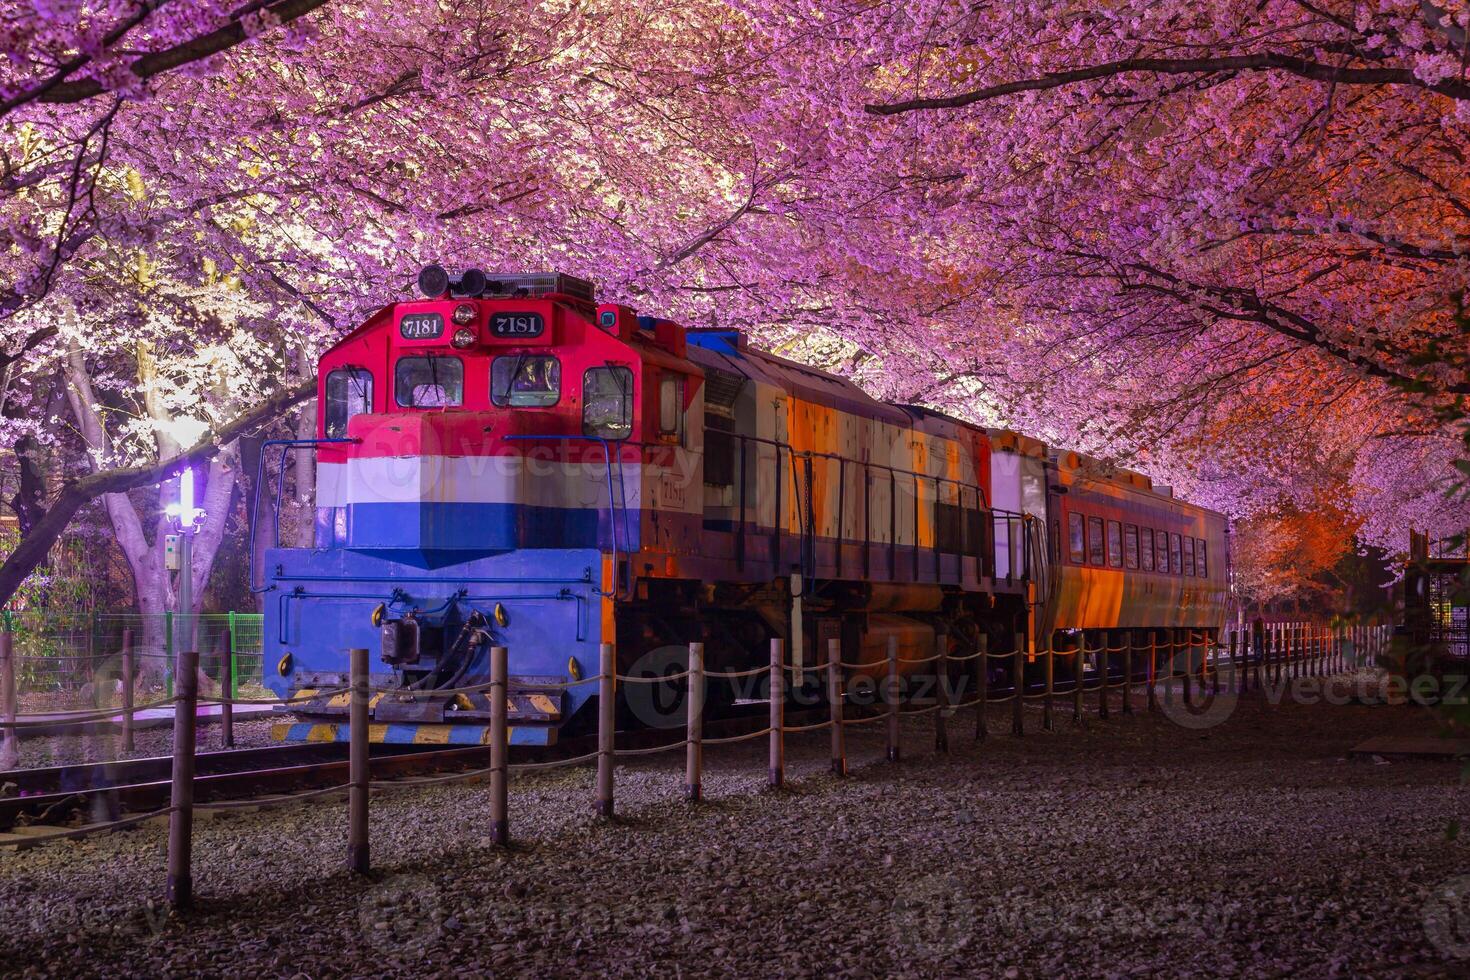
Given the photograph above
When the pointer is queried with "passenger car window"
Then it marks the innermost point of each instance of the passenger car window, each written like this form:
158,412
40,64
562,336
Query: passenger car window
1130,545
1095,540
525,381
1162,540
349,393
1189,556
430,381
607,402
1115,544
1146,549
1199,558
1075,534
1176,558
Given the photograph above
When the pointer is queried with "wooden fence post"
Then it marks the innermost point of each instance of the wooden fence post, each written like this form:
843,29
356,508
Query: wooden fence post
1188,672
179,887
1102,688
1051,675
357,760
694,726
1078,672
127,690
1018,670
1212,647
10,750
1128,674
1152,699
893,698
834,705
776,770
941,693
1273,651
227,688
1228,648
983,696
499,746
606,721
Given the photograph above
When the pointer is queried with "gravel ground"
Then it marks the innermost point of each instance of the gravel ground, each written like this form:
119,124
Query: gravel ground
1127,847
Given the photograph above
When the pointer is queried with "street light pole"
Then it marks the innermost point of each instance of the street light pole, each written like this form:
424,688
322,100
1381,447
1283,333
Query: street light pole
186,584
187,516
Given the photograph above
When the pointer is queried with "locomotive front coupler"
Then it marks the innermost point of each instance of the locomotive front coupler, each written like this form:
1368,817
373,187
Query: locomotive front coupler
430,652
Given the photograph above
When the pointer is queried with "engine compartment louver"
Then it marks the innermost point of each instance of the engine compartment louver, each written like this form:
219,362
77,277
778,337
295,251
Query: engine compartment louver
721,388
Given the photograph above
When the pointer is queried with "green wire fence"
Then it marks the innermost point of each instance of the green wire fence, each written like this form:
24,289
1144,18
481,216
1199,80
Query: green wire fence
64,660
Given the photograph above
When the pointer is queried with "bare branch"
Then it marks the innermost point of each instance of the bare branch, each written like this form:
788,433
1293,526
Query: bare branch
1264,61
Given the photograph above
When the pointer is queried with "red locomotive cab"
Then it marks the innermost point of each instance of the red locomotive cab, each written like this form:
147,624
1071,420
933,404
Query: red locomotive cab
509,412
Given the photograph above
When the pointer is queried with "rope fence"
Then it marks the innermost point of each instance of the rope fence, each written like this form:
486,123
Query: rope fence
1193,662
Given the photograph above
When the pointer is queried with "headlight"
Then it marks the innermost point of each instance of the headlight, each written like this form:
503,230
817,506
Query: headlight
463,337
464,314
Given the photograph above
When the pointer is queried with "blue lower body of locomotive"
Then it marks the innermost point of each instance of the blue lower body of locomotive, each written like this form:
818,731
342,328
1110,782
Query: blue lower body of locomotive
543,605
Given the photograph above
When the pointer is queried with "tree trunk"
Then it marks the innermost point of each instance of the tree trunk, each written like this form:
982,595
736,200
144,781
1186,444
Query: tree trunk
304,535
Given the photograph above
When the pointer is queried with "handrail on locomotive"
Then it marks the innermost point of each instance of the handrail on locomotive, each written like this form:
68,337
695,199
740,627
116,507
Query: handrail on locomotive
1032,552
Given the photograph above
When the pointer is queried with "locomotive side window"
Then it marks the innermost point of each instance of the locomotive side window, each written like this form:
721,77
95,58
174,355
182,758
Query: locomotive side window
1176,554
1199,558
719,451
1162,540
1115,544
1130,545
525,381
949,522
1095,541
607,402
1146,549
671,408
431,381
1189,556
349,393
1076,544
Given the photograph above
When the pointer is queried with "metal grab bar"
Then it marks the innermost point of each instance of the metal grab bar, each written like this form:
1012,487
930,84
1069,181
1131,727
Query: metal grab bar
612,507
1019,552
286,446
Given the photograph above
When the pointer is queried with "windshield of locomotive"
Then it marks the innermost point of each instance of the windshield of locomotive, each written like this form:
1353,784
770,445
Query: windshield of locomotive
525,381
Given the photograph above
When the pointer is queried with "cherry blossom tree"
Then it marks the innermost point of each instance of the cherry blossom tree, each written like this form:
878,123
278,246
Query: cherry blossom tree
1225,242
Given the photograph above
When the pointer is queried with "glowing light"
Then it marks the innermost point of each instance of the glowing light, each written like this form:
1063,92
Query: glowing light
184,510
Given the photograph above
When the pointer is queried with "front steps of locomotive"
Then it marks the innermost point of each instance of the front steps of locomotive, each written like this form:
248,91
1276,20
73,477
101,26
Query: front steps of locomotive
535,712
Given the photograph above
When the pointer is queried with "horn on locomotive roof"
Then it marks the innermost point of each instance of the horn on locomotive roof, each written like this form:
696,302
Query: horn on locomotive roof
434,280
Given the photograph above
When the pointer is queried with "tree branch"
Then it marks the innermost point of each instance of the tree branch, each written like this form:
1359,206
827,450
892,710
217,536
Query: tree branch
1264,61
196,49
34,546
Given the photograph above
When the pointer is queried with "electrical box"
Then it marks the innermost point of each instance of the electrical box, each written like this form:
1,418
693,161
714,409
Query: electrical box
171,552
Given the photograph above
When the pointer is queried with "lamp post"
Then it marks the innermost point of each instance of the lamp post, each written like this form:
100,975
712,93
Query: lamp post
187,516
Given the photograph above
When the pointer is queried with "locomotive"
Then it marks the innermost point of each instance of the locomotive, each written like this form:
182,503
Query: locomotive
508,462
